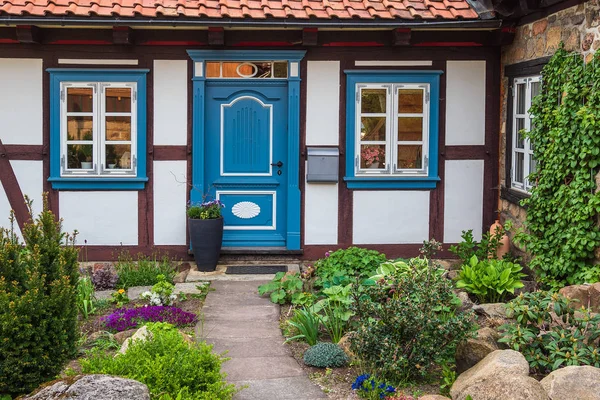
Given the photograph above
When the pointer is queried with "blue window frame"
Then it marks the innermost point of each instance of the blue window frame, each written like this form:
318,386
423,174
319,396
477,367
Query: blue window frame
98,129
392,129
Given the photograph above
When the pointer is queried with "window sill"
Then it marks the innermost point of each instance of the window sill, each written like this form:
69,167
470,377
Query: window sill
86,183
513,196
422,182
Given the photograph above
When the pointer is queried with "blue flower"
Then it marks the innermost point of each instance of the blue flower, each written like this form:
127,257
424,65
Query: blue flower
358,383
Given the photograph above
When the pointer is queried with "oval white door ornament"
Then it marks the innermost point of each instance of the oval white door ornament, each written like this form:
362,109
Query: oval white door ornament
245,210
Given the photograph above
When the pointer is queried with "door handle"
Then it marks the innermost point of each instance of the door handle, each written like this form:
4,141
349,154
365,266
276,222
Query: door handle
279,164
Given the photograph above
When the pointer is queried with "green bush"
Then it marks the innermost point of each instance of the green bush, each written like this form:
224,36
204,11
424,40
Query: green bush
283,289
342,267
306,323
485,249
38,303
170,367
325,355
144,271
550,333
490,280
408,325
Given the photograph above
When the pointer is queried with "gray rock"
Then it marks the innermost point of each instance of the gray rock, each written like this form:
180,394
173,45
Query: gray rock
180,276
476,349
504,387
433,397
467,304
142,334
496,364
93,387
581,383
120,337
491,310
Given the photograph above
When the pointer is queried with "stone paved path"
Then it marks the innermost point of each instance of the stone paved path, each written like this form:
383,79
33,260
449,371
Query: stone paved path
237,319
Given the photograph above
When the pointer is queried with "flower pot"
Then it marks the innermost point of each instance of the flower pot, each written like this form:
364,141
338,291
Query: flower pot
86,165
206,237
375,165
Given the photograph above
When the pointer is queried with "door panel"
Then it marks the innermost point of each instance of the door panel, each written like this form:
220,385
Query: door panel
245,139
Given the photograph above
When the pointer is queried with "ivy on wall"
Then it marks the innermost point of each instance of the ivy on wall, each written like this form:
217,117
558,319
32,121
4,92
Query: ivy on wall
562,230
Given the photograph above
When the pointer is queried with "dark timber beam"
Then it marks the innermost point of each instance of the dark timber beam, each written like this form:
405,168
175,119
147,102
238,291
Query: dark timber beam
310,36
401,37
28,34
122,35
216,36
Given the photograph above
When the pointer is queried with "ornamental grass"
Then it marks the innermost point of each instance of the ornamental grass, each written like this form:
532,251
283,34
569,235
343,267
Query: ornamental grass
129,318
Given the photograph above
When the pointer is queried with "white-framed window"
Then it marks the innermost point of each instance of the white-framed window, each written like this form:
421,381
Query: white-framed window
523,164
392,129
98,129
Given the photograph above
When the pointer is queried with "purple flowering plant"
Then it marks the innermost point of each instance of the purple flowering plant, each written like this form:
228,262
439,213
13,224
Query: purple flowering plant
205,210
129,318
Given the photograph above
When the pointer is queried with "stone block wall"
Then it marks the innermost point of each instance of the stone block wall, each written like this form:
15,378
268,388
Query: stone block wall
578,28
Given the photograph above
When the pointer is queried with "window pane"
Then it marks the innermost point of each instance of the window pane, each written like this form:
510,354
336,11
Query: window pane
280,70
372,128
535,89
118,128
410,129
410,101
521,98
118,156
410,156
520,125
80,99
118,99
79,156
80,128
213,69
532,164
372,156
373,100
519,160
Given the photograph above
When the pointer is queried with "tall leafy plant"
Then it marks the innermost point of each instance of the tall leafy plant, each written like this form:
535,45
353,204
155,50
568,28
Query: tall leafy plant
562,233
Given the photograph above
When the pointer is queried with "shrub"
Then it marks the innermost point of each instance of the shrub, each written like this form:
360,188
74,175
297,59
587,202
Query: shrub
490,280
144,271
342,267
85,297
168,366
325,355
284,288
129,318
306,322
485,249
38,303
549,332
161,293
105,278
408,325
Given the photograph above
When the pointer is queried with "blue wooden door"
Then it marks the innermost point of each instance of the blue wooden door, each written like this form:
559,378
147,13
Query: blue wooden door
245,160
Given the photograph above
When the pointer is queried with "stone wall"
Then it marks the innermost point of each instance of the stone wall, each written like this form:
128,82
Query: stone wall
578,28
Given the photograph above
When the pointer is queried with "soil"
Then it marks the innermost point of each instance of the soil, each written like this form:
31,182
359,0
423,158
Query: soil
337,382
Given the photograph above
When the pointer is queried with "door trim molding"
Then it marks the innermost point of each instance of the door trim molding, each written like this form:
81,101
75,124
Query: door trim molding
293,57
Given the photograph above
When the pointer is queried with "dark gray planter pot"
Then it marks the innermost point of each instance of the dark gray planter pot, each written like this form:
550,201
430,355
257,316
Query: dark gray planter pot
206,237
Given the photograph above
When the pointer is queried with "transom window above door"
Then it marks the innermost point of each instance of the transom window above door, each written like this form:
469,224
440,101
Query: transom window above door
246,69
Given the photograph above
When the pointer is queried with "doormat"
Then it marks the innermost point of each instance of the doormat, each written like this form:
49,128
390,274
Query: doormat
255,269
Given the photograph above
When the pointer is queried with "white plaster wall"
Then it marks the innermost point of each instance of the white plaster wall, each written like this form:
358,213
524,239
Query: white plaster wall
21,101
170,102
465,103
321,213
390,217
322,102
463,199
170,198
102,218
30,175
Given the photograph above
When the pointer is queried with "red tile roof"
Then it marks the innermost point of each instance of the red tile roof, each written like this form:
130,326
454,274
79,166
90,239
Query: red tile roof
249,9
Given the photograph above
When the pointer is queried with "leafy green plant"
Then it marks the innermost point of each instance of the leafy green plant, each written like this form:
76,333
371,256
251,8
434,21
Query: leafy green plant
38,303
161,293
85,297
168,366
370,388
408,324
119,298
105,278
490,280
334,310
282,288
306,323
143,271
448,378
344,266
486,249
403,267
205,210
549,332
325,355
561,225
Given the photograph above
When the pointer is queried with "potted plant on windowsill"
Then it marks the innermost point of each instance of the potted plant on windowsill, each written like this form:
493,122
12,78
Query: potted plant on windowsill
205,223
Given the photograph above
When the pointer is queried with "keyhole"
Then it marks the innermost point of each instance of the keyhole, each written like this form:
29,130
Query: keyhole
279,172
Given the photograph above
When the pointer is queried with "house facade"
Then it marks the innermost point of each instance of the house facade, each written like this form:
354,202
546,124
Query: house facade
319,124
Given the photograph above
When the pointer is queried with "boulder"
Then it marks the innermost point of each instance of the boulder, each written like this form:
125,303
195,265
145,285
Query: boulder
504,387
499,363
433,397
579,293
142,334
92,387
475,349
582,383
180,276
594,292
120,337
466,303
491,310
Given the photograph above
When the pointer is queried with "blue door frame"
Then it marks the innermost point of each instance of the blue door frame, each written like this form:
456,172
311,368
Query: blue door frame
199,174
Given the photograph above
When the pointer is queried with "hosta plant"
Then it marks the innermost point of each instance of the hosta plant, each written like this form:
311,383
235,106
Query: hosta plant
284,288
490,280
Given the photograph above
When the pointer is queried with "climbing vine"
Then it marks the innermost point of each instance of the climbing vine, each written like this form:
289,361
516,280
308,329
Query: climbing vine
562,231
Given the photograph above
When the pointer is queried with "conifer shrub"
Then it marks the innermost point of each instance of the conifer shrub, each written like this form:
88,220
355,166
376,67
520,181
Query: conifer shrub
38,302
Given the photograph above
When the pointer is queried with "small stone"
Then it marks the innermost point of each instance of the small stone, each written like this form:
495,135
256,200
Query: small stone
180,276
491,310
433,397
184,266
540,45
573,383
577,19
589,57
539,27
452,274
588,39
552,18
553,39
120,337
466,303
518,54
96,387
97,335
142,334
572,40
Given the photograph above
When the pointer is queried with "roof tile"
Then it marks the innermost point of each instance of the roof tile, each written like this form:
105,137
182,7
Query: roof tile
246,9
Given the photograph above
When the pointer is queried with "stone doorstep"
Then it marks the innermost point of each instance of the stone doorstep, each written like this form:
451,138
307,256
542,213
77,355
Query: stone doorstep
219,274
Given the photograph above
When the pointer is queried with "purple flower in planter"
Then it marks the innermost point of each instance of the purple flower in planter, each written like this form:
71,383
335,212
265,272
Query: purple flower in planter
129,318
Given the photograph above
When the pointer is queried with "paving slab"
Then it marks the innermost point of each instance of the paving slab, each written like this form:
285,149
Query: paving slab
239,299
292,388
229,329
247,313
239,287
134,292
253,368
249,347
